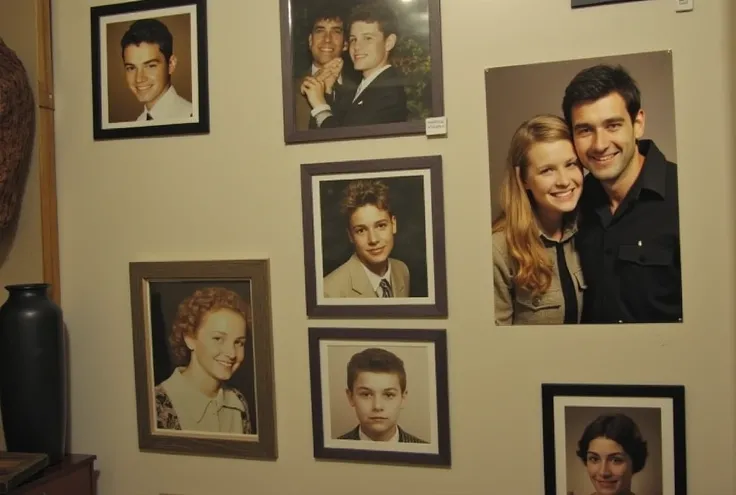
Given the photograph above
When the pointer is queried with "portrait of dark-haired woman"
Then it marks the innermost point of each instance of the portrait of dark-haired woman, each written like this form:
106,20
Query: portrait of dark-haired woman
613,451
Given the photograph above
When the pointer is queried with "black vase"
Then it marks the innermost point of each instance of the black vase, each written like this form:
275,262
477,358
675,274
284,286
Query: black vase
33,372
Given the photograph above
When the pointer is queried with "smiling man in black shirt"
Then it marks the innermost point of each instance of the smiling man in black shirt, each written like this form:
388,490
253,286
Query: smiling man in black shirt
629,235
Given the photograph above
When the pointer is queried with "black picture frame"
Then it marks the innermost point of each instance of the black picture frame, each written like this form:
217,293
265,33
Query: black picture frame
658,411
157,288
423,90
117,112
408,345
419,210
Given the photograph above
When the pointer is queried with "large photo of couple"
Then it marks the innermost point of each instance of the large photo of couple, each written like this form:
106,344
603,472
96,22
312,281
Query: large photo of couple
359,68
584,192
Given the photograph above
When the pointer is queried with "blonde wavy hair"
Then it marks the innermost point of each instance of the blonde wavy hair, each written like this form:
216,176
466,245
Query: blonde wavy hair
518,217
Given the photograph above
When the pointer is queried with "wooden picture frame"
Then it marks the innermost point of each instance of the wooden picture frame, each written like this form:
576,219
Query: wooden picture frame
145,90
416,60
336,258
637,430
348,369
184,310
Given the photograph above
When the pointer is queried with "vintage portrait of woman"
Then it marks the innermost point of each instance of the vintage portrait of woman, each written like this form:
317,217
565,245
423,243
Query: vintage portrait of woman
207,346
612,450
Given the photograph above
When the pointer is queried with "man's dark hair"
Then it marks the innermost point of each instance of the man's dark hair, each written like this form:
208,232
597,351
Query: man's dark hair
375,11
376,360
364,192
598,81
332,10
621,429
149,31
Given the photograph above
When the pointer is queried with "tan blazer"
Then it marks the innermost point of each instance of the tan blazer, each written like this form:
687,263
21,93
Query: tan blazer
516,306
350,280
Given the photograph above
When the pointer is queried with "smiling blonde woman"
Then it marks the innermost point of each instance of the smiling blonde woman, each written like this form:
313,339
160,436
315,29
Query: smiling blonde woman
537,276
207,344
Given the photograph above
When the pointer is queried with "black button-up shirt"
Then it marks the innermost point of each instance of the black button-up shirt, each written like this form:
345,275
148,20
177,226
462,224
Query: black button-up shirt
631,258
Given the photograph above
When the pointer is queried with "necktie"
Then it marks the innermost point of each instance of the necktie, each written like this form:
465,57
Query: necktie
387,292
148,116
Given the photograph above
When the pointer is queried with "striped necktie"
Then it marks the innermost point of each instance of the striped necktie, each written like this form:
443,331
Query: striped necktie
387,292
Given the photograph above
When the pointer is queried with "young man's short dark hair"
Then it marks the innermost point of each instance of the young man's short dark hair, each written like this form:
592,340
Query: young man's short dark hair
149,31
377,11
598,81
376,360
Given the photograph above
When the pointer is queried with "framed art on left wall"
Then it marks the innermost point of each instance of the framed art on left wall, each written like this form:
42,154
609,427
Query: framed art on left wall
202,342
149,69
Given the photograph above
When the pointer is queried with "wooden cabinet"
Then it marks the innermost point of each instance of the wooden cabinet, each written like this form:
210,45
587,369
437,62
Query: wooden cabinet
75,475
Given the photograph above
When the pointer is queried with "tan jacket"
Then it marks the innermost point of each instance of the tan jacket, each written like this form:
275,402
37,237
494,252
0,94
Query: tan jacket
350,280
516,306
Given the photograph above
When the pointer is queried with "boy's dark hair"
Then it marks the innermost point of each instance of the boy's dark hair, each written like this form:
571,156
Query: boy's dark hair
621,429
375,11
149,31
598,81
376,360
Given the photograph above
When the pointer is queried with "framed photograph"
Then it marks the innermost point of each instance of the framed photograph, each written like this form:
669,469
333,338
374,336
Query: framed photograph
614,439
359,68
590,3
614,262
202,342
380,395
374,238
149,69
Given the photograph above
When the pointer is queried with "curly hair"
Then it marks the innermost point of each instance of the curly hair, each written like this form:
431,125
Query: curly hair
364,192
192,311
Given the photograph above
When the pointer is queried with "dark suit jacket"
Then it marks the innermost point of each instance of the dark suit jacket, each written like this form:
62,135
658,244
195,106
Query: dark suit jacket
382,102
340,93
404,437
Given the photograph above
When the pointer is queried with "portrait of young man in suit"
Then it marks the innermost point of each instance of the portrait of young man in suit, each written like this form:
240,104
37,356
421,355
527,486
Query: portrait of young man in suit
327,44
376,390
380,97
149,59
371,226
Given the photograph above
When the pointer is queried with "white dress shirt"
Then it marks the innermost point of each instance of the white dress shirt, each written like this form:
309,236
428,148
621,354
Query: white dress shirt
170,106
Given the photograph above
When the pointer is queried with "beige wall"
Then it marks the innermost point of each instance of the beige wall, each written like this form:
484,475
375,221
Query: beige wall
20,251
216,196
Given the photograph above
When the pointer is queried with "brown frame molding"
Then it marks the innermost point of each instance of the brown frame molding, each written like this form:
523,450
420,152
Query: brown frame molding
46,150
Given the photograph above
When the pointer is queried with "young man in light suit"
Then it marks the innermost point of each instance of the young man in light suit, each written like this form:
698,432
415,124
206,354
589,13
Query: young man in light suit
371,226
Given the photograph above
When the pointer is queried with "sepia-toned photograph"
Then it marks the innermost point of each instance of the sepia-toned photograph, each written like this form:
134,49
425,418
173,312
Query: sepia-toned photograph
203,353
380,395
584,191
150,75
589,3
374,238
359,68
614,439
